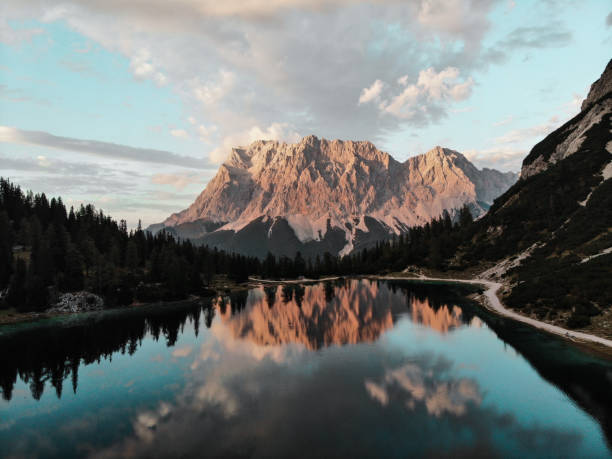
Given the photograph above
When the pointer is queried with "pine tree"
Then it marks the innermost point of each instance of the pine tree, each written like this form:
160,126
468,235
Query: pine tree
17,287
6,250
73,274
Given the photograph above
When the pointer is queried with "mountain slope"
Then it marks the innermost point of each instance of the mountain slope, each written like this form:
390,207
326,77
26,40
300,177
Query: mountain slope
319,195
558,217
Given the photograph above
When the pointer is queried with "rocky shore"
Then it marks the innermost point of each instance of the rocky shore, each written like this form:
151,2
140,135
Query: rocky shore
77,302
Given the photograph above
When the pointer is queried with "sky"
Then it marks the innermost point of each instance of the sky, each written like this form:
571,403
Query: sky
132,105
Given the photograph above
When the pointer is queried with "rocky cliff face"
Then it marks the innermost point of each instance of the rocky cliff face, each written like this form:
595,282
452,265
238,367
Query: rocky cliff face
550,234
570,137
337,193
600,88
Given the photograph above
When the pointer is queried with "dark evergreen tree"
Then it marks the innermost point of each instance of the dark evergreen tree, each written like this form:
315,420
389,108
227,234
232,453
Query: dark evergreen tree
6,250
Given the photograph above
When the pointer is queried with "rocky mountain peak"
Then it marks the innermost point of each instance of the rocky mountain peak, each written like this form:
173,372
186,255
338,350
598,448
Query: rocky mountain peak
319,186
599,88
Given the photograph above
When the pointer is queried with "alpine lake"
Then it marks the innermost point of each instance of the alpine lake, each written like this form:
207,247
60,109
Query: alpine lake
343,368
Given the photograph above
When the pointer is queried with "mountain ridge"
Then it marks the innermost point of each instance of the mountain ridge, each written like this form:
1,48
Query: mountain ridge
319,185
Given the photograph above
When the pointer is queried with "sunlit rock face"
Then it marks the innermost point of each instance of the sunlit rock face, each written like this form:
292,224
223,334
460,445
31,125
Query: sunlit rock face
315,187
325,315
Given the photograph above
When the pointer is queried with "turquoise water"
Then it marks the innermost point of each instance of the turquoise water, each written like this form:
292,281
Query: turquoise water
354,368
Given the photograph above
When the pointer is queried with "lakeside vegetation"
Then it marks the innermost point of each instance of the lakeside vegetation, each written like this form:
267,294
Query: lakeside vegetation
46,249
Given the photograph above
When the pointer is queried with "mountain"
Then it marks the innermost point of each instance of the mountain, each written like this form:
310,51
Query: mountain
336,196
550,234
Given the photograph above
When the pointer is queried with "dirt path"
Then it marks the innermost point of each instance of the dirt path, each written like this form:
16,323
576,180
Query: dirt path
495,304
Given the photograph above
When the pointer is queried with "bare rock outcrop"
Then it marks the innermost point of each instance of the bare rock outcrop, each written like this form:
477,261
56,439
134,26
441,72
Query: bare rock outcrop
78,302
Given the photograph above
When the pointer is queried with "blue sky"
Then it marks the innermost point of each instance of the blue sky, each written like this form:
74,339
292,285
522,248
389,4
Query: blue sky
132,105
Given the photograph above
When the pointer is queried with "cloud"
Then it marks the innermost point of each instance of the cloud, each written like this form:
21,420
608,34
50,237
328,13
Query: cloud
546,36
609,19
443,85
212,93
235,65
182,351
372,93
12,36
205,133
282,61
179,133
418,386
425,99
142,68
276,131
462,19
528,133
551,35
377,392
500,158
178,181
97,148
43,161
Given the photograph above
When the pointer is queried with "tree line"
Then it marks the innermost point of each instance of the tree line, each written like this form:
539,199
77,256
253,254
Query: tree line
46,249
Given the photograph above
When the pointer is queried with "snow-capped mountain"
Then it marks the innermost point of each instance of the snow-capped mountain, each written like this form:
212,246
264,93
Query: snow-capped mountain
319,195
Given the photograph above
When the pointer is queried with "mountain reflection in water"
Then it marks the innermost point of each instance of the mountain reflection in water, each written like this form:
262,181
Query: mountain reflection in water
344,368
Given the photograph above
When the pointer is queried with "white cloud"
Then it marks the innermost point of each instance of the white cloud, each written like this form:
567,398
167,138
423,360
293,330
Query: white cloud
425,97
276,131
371,93
212,93
402,105
179,133
143,69
444,85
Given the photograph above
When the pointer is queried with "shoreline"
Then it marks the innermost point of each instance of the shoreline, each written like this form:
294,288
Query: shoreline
490,301
493,303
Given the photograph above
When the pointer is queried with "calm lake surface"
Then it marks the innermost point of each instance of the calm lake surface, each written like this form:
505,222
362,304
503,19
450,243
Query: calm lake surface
351,368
